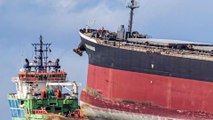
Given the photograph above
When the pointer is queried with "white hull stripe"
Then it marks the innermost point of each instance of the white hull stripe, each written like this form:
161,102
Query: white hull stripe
87,38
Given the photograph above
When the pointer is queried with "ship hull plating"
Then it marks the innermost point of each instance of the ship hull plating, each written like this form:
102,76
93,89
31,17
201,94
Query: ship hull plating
168,82
100,113
100,107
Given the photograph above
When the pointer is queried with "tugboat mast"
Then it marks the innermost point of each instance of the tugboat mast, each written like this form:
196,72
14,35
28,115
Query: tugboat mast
132,6
41,58
41,52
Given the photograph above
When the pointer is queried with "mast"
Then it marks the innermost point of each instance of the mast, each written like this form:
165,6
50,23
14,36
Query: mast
41,52
132,6
40,57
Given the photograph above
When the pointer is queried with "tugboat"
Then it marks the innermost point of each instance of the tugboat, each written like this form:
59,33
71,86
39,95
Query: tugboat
41,88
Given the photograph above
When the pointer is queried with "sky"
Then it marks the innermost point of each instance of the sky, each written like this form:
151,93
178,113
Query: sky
23,21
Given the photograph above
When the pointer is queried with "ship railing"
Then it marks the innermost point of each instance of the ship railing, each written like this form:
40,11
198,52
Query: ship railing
204,55
44,80
197,54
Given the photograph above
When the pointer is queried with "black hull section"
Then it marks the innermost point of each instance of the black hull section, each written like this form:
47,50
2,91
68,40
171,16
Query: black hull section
150,63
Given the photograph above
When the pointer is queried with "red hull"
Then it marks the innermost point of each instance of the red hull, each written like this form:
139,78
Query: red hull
165,92
98,107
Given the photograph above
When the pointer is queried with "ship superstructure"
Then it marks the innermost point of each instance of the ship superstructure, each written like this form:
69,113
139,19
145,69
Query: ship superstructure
133,76
43,91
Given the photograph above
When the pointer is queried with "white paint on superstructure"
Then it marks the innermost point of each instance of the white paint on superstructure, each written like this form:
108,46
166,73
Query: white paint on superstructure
25,90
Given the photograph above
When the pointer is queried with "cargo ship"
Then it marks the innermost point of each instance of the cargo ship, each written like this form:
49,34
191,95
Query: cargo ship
134,76
43,91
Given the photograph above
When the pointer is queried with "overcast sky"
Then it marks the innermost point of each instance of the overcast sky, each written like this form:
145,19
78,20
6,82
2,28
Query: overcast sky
22,21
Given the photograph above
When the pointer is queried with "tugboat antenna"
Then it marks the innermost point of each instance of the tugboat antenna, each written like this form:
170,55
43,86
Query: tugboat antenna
132,6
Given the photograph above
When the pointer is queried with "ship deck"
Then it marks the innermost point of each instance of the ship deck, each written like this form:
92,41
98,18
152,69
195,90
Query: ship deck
158,46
